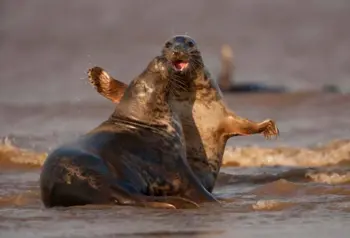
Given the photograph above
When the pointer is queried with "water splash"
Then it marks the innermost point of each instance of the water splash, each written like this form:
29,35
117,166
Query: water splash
334,153
15,157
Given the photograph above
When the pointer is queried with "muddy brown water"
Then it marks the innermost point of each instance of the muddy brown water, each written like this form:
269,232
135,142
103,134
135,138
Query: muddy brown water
296,186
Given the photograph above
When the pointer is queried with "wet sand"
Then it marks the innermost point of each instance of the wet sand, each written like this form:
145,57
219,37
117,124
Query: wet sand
296,186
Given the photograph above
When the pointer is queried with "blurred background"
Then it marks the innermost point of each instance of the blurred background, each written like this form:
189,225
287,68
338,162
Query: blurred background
46,48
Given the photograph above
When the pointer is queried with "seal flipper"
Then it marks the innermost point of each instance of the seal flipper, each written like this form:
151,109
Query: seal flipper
168,202
234,125
107,86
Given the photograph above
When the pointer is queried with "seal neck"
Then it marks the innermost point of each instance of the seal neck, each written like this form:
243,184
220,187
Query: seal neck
147,96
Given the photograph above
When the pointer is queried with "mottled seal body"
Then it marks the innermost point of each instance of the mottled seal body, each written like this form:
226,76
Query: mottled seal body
207,122
136,157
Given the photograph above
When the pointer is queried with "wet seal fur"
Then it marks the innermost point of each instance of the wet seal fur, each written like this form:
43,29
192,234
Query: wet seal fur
206,120
136,157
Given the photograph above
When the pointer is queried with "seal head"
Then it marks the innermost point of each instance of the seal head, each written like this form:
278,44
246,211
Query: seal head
182,53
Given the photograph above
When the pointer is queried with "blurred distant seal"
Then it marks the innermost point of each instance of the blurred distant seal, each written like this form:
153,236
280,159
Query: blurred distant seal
227,84
136,157
206,120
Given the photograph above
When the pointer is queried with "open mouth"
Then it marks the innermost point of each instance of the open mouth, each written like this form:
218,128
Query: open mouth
180,65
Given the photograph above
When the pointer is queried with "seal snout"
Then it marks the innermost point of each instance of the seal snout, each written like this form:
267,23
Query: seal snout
178,51
179,58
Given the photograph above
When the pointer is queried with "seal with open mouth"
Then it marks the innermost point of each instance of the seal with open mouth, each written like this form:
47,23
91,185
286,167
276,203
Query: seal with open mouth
206,120
136,157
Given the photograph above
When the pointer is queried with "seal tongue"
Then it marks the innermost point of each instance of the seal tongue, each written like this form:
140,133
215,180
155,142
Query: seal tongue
180,65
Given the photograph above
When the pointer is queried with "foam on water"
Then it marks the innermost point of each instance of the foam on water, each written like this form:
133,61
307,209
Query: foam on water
15,157
263,188
334,153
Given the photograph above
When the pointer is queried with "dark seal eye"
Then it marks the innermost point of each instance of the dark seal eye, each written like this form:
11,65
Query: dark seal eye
168,44
190,44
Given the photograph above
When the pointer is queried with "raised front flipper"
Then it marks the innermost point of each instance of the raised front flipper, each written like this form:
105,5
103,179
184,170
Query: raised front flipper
106,85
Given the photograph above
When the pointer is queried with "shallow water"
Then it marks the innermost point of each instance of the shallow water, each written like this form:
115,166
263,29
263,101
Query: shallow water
278,187
295,186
